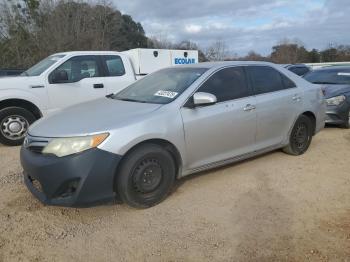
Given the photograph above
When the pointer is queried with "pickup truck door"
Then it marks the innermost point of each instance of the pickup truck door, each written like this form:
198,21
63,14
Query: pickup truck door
226,129
84,82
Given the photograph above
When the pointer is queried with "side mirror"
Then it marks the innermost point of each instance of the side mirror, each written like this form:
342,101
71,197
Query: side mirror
204,99
59,76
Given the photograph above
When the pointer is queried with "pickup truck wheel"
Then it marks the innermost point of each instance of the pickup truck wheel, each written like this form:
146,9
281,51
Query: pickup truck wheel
146,176
300,137
14,123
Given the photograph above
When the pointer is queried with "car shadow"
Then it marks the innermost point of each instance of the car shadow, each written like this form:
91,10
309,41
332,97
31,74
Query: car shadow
183,180
261,219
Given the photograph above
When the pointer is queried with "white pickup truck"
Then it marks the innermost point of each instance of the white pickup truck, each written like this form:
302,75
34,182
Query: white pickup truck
69,78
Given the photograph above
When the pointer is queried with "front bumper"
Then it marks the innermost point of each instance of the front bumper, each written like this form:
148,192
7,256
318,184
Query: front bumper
338,115
77,180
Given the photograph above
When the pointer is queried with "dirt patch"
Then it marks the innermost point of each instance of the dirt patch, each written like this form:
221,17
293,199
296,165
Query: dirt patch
272,208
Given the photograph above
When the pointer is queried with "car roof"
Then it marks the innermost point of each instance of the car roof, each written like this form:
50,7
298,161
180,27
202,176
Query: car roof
226,63
87,53
333,68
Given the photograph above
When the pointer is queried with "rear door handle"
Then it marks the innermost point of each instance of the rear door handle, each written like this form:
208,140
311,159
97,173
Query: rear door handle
98,86
249,107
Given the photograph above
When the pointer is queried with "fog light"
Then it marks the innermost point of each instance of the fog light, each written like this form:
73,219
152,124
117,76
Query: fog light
68,188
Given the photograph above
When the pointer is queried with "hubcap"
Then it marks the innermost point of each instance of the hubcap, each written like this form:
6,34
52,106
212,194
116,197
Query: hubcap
14,127
147,176
300,136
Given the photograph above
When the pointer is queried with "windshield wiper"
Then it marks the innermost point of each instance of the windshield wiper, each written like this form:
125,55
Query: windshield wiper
131,100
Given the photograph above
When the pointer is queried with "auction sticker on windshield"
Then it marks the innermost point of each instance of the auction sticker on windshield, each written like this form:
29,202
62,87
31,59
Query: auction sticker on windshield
168,94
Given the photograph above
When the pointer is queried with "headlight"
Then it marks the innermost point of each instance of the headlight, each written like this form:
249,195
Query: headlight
335,101
72,145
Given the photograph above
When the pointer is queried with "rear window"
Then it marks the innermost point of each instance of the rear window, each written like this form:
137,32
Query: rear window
300,70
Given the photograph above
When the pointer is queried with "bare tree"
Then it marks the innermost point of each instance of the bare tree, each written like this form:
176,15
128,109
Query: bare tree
217,51
160,40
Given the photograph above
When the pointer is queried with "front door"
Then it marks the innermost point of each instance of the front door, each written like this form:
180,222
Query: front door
85,82
226,129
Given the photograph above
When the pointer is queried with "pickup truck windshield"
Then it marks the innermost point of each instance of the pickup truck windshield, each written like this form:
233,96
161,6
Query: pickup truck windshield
161,87
40,67
330,76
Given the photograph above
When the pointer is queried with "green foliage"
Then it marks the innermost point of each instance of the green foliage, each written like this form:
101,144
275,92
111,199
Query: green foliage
50,27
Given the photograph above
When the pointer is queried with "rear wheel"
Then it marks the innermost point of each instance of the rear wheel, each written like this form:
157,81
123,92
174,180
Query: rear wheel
300,137
146,176
14,123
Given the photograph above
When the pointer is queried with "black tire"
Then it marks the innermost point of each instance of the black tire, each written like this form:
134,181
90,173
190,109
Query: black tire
346,125
300,137
25,118
146,176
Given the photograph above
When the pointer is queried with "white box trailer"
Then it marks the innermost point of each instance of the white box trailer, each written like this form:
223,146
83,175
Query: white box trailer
146,61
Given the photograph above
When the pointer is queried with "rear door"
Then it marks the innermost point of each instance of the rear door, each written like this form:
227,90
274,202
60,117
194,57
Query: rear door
223,130
278,102
85,82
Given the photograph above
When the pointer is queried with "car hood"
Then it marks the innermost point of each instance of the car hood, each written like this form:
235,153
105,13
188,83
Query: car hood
96,116
335,90
19,82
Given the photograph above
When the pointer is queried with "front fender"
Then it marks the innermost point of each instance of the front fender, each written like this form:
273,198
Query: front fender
19,94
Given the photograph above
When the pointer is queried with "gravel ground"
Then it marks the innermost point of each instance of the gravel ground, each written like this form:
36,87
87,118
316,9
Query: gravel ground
272,208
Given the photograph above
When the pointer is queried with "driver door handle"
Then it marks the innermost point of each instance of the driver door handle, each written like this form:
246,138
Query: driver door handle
249,107
98,86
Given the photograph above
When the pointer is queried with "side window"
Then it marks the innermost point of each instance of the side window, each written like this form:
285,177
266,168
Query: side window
287,82
114,65
227,84
79,67
265,79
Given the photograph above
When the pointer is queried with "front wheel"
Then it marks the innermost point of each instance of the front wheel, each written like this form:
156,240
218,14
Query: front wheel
346,125
146,176
300,137
14,123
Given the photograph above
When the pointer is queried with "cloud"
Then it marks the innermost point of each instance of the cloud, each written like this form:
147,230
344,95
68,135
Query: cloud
244,25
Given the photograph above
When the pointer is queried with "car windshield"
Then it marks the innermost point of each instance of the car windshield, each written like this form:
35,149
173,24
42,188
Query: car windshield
161,87
331,76
40,67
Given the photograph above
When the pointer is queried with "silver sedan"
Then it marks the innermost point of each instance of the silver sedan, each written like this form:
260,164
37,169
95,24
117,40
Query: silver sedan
134,144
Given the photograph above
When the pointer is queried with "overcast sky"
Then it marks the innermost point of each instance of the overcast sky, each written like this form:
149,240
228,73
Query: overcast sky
244,24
